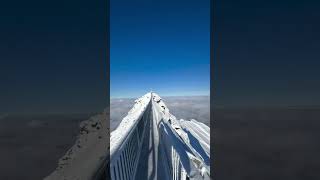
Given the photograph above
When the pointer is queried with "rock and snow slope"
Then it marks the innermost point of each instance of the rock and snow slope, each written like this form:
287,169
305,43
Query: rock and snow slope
118,135
83,159
189,138
194,151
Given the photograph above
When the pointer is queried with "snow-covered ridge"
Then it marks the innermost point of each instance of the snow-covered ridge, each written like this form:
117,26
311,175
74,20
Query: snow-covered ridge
85,157
184,142
120,133
194,135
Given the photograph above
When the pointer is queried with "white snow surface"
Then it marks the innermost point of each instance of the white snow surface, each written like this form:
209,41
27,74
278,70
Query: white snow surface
195,135
117,136
84,158
190,137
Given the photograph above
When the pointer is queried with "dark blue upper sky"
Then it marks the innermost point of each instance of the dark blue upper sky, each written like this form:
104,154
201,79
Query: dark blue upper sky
53,53
160,45
53,56
266,53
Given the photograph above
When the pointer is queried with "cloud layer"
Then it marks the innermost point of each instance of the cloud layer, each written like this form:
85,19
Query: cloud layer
183,107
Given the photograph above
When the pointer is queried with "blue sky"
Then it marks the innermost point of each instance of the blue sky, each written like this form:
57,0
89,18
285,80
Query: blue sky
53,56
266,53
159,45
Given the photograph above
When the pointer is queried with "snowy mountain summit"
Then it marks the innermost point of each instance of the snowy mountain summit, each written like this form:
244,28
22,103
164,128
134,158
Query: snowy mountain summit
151,143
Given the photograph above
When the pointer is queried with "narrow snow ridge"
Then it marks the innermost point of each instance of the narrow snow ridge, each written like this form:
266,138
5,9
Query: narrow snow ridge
117,136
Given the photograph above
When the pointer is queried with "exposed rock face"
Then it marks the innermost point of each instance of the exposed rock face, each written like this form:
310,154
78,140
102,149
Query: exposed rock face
84,158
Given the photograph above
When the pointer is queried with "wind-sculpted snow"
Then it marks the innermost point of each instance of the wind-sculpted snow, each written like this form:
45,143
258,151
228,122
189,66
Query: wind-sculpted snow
194,149
179,148
186,107
182,145
117,136
85,157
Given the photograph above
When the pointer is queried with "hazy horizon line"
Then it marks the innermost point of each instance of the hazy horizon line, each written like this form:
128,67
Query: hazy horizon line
162,96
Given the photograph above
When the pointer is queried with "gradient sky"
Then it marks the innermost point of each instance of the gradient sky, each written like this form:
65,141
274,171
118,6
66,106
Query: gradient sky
163,45
53,56
266,53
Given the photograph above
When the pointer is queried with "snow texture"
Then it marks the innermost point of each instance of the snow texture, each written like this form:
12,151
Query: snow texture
83,159
189,138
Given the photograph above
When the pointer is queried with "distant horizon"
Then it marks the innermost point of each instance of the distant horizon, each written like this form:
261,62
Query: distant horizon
162,95
149,49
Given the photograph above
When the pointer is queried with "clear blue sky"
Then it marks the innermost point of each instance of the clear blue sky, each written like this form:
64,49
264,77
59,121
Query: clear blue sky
266,53
163,45
53,56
